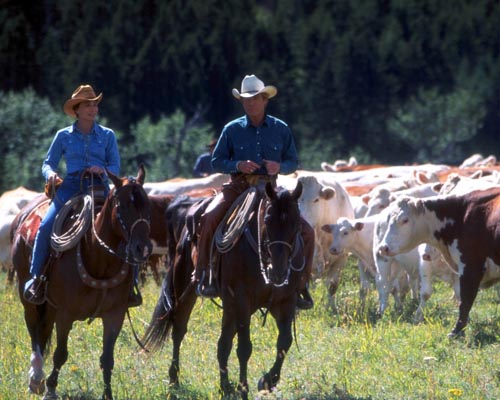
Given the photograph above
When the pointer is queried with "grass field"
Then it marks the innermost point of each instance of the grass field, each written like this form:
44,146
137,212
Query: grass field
347,356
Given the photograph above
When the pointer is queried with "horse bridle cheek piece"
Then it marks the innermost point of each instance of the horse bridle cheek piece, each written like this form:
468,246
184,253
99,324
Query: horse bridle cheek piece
126,232
294,249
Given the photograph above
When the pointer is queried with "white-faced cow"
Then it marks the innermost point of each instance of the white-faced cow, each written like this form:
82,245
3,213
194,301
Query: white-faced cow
464,228
322,201
356,236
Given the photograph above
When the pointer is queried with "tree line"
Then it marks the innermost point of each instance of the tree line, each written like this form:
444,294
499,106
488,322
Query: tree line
387,81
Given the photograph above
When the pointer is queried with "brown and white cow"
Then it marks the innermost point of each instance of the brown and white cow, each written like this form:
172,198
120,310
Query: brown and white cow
464,228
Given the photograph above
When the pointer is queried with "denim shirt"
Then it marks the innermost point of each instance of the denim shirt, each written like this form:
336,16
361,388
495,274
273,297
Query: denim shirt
240,141
81,151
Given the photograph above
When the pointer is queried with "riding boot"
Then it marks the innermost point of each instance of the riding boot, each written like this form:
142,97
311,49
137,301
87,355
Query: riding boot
304,299
35,290
206,284
134,297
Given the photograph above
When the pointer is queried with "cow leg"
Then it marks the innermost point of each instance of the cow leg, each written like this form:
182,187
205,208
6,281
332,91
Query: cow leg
425,272
469,286
382,280
364,282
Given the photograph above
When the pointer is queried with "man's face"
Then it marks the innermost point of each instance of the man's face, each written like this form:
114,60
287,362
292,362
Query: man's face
255,106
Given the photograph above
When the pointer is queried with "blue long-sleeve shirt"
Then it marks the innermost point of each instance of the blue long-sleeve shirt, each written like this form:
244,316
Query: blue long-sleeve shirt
240,141
81,151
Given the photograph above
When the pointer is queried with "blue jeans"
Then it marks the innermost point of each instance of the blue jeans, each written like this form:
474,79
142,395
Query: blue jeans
69,188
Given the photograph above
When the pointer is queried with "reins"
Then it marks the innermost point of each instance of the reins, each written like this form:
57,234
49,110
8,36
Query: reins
127,233
298,243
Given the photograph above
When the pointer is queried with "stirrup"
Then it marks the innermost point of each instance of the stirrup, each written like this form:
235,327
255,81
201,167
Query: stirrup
35,289
304,299
207,290
134,298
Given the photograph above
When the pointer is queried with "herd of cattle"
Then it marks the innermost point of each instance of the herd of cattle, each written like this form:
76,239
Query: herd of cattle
405,225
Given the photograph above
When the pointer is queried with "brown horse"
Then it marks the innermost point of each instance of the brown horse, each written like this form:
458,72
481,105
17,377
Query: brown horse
261,270
91,280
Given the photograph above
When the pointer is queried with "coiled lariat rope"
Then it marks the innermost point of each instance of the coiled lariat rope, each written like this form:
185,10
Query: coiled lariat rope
63,241
235,220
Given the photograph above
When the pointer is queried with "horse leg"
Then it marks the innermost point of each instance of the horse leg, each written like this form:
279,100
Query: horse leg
284,323
59,358
40,331
244,351
111,329
179,328
224,346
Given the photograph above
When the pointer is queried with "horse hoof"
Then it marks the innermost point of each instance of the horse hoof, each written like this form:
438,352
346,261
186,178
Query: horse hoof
456,335
37,383
51,395
264,384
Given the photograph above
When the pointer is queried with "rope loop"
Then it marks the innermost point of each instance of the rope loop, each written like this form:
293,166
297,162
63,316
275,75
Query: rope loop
63,241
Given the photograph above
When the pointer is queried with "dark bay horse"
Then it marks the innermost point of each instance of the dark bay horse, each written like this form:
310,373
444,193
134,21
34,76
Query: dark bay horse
91,280
262,270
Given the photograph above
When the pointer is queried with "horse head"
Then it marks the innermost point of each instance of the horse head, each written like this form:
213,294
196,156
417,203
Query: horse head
282,230
131,215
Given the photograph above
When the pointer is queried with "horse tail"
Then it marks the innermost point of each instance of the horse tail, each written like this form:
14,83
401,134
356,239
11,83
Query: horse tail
177,298
162,319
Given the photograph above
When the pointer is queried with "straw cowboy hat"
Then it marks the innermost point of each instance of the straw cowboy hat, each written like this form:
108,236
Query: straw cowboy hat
81,93
252,86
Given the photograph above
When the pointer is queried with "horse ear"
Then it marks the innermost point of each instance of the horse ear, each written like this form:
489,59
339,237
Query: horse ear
141,174
271,194
297,192
115,179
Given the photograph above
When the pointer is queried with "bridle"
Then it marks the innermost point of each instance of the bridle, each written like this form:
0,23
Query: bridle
266,265
126,231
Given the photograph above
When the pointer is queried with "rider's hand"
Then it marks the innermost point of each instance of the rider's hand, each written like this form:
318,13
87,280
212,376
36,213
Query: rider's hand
95,170
272,167
53,178
247,167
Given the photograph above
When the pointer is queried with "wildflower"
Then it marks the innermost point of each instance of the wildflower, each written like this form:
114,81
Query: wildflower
455,392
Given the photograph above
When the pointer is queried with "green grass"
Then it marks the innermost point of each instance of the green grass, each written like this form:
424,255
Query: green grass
346,356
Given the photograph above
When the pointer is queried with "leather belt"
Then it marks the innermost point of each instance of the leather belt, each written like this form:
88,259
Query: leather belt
254,180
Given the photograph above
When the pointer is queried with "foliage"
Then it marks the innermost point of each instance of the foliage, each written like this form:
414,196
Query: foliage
346,71
435,125
169,147
27,126
343,68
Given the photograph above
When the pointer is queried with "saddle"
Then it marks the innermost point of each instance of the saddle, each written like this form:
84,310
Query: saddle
73,218
32,219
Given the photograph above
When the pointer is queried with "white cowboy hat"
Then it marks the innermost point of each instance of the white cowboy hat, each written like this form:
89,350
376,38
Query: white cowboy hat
252,86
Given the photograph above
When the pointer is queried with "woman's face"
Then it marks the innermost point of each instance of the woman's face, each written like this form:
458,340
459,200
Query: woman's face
255,106
87,110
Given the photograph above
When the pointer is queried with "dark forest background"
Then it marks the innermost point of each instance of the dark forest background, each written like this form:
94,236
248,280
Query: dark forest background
393,82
